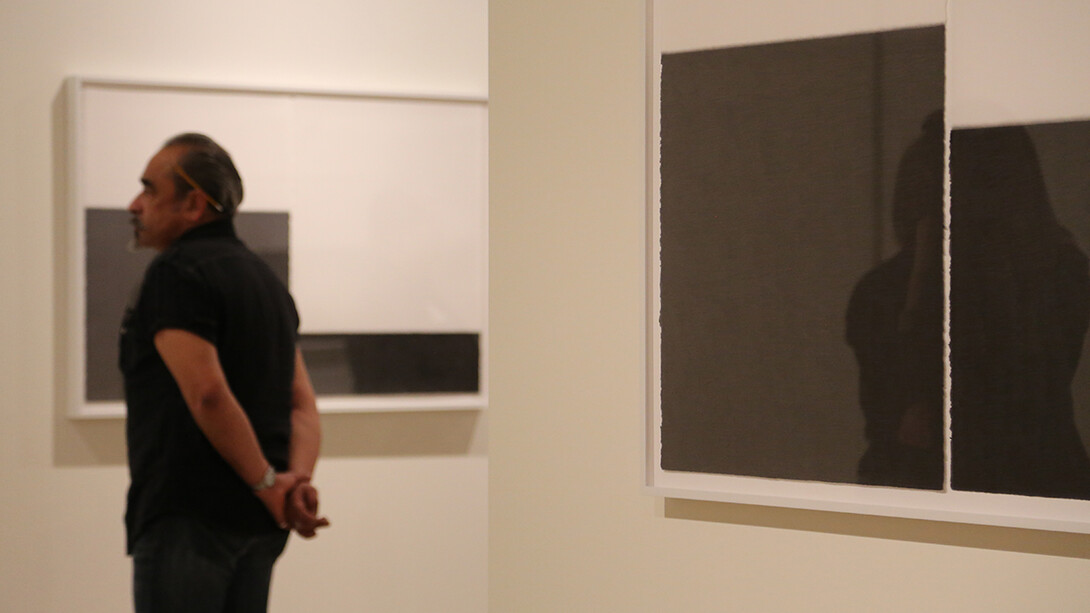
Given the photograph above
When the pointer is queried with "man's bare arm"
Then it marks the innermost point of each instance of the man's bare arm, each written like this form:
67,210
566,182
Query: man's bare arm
306,434
306,428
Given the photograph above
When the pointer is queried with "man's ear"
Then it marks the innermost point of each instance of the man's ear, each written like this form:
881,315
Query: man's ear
194,204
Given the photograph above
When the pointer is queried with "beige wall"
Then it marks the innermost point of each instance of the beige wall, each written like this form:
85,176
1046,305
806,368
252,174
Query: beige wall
571,528
407,493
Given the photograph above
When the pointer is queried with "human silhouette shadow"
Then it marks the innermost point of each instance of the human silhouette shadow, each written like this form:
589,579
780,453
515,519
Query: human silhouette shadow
895,329
1020,305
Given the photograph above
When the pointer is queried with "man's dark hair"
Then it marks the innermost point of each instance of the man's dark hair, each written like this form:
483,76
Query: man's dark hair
210,167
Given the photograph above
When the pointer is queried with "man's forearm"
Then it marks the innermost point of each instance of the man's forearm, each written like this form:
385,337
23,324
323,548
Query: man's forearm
305,443
306,427
227,428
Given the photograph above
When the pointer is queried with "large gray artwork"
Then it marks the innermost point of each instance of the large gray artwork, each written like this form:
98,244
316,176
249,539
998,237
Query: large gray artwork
781,167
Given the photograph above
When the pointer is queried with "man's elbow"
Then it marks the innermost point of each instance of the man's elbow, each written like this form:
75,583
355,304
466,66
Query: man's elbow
208,399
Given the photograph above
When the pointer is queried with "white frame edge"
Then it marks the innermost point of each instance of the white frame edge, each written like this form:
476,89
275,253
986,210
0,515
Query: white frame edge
1002,510
78,408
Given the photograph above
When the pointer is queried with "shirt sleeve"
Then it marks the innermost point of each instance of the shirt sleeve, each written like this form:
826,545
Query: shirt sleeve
176,297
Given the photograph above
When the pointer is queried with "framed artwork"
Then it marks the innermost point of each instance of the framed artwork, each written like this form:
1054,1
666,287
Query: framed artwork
371,208
840,317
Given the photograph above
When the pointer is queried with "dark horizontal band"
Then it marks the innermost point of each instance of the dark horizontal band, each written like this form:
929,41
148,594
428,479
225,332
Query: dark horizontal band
392,363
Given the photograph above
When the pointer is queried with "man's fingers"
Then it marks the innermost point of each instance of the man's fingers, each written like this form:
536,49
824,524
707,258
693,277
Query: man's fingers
302,511
307,526
310,498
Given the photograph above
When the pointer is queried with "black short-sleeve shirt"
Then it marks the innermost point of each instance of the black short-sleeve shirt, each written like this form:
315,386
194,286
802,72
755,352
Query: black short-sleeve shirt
208,283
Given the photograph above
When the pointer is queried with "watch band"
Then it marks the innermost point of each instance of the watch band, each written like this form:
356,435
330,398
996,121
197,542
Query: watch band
267,480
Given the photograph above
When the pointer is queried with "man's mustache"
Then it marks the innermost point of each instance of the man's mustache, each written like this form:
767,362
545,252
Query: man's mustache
134,241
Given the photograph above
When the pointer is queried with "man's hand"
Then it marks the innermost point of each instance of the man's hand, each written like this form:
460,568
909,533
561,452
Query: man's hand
275,497
302,510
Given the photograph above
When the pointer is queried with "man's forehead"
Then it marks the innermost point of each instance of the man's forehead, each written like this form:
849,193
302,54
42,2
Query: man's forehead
162,161
168,155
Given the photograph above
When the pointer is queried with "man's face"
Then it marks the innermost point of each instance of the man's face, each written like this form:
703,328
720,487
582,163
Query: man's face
157,215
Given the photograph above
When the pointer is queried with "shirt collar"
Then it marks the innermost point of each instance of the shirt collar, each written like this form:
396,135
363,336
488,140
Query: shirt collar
219,228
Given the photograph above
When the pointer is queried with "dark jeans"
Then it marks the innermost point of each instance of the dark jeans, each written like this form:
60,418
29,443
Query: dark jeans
181,565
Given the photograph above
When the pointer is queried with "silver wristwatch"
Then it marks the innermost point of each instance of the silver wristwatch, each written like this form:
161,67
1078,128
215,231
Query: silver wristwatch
267,481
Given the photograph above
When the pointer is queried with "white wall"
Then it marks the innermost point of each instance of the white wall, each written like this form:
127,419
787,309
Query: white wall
406,493
571,528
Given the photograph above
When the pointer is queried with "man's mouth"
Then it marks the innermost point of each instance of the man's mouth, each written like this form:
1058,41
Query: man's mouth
134,242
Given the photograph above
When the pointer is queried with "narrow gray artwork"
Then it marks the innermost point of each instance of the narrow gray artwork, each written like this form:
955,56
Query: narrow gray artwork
1020,308
114,274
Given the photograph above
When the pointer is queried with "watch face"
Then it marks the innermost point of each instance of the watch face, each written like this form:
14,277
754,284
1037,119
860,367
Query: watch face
267,481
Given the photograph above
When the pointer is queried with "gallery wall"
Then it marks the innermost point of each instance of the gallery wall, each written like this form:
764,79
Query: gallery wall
406,492
572,528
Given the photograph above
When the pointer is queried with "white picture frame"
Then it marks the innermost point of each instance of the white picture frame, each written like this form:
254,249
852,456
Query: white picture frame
685,25
386,194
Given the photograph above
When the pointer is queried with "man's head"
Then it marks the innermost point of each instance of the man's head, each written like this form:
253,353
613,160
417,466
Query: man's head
918,190
207,167
188,183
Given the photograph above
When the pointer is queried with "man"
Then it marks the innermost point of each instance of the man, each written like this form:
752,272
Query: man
223,430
